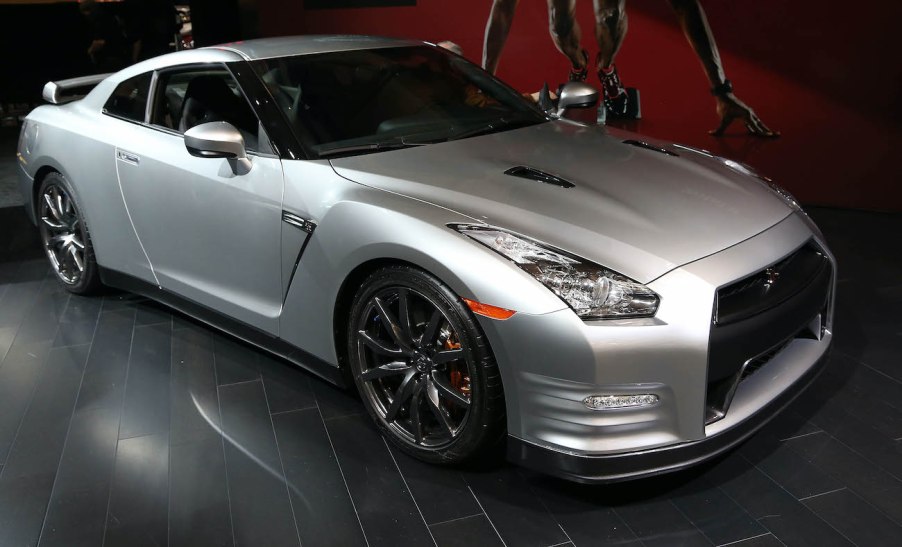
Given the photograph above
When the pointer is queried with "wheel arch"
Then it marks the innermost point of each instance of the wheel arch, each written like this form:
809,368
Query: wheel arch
345,299
49,165
357,237
39,177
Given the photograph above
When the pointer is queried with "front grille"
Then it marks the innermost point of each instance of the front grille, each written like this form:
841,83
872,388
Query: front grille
758,316
769,287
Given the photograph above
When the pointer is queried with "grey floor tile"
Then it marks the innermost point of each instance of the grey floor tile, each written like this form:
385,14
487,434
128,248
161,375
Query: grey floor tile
517,513
441,493
147,404
103,384
319,492
199,514
260,504
860,522
76,514
466,532
139,498
387,511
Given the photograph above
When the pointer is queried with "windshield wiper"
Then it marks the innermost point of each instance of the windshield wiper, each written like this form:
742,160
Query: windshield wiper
367,147
409,141
378,146
498,125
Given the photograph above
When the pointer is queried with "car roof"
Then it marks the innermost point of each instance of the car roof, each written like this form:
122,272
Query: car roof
264,48
304,45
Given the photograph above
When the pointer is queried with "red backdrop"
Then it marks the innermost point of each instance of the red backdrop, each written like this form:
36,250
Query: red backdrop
823,73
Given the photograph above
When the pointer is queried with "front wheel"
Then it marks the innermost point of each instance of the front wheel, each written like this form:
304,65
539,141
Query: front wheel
423,367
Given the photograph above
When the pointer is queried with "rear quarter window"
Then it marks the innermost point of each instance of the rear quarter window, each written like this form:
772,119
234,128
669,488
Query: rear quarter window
129,99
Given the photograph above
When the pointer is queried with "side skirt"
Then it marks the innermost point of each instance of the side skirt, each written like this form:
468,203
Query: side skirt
238,329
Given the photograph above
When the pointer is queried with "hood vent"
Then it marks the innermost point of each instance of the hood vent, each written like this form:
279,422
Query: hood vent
643,144
539,176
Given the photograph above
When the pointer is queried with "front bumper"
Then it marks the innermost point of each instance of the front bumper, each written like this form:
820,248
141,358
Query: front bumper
645,463
550,363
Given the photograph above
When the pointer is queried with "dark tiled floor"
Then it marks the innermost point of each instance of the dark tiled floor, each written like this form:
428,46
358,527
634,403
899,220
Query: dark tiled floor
121,424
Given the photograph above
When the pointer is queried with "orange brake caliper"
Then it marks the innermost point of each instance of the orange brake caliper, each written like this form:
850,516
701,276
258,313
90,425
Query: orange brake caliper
459,381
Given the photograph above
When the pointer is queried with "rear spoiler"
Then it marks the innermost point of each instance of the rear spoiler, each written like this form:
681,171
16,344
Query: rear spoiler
65,91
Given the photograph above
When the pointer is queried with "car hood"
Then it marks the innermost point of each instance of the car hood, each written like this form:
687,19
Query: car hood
637,211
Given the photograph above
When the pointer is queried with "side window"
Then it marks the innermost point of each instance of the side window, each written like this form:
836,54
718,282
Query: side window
188,98
129,99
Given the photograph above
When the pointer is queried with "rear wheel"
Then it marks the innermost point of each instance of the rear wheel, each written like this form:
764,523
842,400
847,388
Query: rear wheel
423,367
65,236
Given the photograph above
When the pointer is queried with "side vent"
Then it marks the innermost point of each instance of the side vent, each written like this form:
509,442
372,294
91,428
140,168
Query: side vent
643,144
298,222
539,176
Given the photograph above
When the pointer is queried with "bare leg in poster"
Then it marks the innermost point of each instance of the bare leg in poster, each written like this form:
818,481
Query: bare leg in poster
610,30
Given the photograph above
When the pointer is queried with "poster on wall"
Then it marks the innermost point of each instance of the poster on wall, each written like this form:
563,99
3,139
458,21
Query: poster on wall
590,50
610,18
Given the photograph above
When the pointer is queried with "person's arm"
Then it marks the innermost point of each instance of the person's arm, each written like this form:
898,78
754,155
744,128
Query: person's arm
695,26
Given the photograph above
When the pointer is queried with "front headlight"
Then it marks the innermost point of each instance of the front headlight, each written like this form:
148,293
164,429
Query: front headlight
591,290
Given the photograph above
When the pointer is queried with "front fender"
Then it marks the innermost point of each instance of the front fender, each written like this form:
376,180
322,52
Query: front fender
377,225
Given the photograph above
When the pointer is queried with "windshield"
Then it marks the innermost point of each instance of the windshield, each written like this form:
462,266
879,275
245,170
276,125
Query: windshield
350,102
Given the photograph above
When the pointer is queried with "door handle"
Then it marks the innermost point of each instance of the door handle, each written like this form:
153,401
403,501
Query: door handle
127,157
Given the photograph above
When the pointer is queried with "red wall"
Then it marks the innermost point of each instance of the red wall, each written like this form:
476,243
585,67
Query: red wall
826,74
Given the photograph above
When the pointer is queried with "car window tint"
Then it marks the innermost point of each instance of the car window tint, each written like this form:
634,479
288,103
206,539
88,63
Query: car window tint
192,97
360,97
129,99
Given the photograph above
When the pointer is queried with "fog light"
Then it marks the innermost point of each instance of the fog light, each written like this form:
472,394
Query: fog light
605,402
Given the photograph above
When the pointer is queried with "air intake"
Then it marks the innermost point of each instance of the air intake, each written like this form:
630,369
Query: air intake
643,144
539,176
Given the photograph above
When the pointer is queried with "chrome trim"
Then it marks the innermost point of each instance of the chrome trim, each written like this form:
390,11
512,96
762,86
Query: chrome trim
298,222
127,157
294,269
151,96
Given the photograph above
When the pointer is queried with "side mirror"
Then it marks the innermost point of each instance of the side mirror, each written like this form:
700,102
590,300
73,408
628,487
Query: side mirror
217,140
576,95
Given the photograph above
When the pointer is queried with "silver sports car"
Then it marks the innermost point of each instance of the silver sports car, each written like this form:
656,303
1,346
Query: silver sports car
386,214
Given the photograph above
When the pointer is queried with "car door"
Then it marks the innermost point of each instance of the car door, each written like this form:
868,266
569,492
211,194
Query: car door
210,228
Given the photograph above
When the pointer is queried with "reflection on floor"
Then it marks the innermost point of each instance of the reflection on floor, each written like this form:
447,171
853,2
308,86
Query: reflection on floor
123,424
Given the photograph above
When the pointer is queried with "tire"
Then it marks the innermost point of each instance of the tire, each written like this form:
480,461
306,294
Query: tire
436,366
65,236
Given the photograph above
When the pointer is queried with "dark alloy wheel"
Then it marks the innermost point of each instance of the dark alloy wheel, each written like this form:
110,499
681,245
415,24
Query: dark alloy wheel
423,367
65,237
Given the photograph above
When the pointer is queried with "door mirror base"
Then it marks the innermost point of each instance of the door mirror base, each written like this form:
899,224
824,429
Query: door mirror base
241,166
